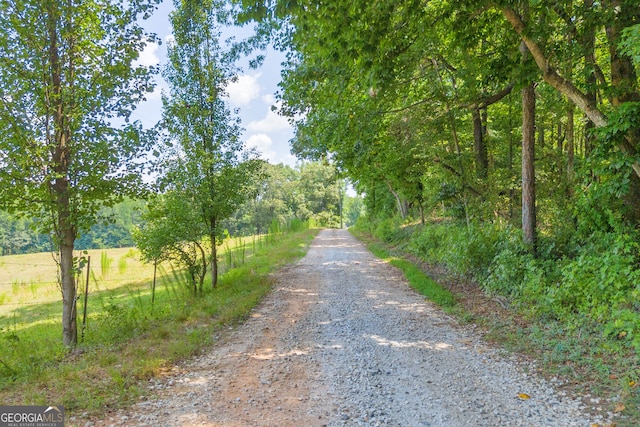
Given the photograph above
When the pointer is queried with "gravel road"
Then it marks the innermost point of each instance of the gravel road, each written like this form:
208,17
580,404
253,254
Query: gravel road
343,341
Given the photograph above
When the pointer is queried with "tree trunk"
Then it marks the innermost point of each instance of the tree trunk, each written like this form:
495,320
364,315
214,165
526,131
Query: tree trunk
203,273
68,284
402,206
65,236
528,156
65,232
214,253
479,145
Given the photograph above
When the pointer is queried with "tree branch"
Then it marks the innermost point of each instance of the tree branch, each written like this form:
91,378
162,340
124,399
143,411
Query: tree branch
551,76
565,87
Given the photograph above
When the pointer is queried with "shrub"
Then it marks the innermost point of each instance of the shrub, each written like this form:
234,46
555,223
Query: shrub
602,278
386,229
465,250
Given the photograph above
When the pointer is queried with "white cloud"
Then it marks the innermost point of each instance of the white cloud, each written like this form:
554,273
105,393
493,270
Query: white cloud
244,90
262,142
269,99
149,57
273,122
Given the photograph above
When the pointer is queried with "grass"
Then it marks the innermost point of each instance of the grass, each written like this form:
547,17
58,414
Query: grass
416,277
127,340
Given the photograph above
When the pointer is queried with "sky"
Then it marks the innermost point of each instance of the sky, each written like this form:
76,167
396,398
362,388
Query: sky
253,94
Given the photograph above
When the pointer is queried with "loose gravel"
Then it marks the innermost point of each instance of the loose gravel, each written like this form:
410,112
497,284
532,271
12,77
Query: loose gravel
344,341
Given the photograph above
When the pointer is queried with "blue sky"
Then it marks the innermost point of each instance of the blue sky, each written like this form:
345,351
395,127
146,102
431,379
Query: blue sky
253,94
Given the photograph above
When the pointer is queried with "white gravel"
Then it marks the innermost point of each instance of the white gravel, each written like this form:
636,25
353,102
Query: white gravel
343,341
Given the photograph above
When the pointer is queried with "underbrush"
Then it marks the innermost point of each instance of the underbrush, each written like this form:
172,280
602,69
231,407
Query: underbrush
580,296
132,339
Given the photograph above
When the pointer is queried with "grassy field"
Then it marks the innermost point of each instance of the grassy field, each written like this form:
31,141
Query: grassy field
127,340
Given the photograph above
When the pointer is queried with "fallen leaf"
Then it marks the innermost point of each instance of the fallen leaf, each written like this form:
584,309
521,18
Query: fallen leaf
632,384
619,407
622,334
613,377
524,396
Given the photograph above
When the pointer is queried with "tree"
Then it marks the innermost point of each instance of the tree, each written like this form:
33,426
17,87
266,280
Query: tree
68,84
205,159
278,198
173,232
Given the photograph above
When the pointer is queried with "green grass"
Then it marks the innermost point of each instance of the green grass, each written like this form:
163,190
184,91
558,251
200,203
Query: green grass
128,340
416,277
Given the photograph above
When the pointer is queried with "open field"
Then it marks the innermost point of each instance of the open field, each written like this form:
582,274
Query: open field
127,338
30,279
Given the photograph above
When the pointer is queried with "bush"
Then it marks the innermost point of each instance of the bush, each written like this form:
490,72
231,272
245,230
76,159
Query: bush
465,250
386,229
509,268
364,225
600,283
600,277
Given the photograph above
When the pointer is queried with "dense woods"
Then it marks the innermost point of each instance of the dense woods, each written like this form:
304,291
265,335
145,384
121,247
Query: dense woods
509,128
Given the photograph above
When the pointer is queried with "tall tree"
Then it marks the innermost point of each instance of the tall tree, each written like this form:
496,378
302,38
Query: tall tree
208,164
68,84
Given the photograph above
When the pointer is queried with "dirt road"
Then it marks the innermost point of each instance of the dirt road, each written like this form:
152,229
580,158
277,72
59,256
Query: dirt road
342,340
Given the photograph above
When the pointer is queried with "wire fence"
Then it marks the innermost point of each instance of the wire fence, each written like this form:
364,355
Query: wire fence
32,279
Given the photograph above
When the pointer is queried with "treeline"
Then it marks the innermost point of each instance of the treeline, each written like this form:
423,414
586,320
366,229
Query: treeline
20,235
510,129
310,191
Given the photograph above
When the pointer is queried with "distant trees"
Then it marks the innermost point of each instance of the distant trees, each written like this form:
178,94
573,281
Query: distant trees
20,235
310,191
68,84
112,229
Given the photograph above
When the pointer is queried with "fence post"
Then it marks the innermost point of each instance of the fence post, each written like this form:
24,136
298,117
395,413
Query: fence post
86,296
153,286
